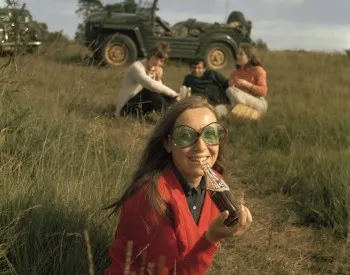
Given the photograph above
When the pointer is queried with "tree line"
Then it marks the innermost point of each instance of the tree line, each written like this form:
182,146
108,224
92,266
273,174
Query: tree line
86,7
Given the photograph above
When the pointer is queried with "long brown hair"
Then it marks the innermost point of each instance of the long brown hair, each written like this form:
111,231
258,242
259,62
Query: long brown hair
160,50
154,158
252,53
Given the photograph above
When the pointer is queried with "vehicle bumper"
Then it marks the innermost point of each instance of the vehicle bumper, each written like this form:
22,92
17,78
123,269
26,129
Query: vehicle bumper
9,44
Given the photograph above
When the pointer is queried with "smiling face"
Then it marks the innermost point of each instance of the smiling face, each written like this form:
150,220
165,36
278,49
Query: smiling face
187,160
242,57
155,61
198,70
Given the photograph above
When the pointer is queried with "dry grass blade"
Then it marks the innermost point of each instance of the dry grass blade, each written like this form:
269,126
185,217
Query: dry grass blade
161,265
143,263
151,268
342,253
128,257
89,253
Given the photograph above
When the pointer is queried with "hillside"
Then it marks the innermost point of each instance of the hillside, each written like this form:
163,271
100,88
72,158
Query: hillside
63,157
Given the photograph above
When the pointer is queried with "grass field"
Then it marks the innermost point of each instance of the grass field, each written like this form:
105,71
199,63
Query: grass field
63,157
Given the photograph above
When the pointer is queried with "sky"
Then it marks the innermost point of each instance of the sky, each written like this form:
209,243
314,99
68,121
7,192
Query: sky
321,25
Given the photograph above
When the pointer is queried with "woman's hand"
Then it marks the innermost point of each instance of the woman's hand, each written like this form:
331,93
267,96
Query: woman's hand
159,73
231,82
243,83
218,230
156,73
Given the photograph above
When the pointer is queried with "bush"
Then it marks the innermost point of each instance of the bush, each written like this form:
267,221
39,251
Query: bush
56,36
260,44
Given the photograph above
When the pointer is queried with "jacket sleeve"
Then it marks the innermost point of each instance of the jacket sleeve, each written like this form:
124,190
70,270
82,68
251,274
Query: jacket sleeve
260,83
220,79
138,225
152,238
185,82
140,76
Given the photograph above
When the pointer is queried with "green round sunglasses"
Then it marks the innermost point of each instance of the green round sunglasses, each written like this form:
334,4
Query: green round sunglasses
185,136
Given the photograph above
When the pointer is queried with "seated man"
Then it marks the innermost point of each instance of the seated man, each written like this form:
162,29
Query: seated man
209,83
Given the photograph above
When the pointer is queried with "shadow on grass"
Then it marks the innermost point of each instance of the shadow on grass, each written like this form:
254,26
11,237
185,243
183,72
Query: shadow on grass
49,239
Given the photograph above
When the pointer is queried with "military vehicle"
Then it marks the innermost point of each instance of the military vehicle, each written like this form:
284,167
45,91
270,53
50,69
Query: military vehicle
18,31
119,39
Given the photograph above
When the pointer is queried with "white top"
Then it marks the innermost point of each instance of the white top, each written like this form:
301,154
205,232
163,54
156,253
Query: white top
135,80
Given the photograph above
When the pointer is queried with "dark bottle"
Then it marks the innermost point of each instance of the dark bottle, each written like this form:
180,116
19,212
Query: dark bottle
221,195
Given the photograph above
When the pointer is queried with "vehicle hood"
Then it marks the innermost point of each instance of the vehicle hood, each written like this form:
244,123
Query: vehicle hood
96,17
115,17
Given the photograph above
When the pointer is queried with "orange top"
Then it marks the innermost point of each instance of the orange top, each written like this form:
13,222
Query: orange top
256,75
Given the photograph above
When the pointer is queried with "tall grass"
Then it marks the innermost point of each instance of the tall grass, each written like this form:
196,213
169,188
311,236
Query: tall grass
63,157
50,170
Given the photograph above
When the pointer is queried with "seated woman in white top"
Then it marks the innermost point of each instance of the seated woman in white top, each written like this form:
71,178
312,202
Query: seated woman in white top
142,89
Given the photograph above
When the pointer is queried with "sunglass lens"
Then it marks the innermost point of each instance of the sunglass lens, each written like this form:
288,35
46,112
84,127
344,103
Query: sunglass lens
184,136
213,134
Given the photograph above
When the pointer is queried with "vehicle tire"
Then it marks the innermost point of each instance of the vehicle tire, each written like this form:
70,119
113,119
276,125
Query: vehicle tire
118,50
219,56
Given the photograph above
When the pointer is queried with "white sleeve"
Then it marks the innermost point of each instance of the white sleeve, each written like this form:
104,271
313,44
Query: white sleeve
139,75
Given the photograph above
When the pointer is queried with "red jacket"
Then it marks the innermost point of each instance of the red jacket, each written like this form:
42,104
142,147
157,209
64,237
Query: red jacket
181,241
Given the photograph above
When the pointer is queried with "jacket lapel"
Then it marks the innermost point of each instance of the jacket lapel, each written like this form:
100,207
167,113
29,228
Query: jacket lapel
183,222
186,230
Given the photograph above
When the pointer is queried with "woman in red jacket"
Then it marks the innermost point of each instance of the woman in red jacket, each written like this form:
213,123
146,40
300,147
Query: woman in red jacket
174,226
248,84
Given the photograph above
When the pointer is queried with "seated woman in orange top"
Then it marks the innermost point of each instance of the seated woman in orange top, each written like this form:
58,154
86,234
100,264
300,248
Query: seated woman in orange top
166,211
248,83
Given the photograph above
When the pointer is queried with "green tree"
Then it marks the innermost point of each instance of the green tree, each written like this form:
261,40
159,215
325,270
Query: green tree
79,34
86,7
130,6
261,44
14,4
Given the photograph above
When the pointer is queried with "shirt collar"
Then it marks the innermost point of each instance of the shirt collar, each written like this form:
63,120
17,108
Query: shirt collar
187,187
